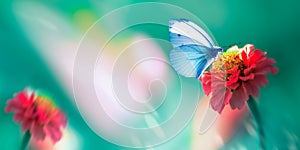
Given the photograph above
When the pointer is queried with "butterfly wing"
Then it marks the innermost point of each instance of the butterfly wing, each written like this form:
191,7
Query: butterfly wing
209,119
194,51
185,32
191,60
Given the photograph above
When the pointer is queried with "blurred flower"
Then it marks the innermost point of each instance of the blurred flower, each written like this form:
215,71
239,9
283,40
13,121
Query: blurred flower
236,75
37,114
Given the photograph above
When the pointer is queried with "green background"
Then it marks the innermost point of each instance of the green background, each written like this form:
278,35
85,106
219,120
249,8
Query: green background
272,26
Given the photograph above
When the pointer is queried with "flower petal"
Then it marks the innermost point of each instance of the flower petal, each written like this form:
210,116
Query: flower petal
37,113
38,132
54,132
206,83
238,98
220,99
251,88
248,77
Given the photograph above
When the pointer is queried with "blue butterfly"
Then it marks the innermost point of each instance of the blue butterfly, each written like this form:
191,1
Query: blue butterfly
194,50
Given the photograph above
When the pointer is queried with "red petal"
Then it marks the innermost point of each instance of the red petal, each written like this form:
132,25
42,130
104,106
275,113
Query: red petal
260,80
248,77
238,98
250,69
233,78
206,82
251,88
38,132
220,99
266,66
26,124
54,132
234,86
256,56
244,58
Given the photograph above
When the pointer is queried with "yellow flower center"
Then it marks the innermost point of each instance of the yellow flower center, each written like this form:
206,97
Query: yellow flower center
227,61
45,102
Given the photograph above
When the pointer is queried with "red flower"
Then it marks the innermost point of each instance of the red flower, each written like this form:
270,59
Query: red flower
236,75
37,114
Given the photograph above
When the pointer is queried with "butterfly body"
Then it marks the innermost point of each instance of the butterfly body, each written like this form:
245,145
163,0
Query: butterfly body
194,50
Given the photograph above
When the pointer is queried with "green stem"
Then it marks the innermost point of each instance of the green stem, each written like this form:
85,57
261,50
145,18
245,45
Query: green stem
26,139
255,114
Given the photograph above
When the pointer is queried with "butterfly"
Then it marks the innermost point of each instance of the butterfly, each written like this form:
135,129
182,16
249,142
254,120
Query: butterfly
194,50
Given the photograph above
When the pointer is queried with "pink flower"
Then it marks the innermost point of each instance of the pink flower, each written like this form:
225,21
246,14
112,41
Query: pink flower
37,114
236,75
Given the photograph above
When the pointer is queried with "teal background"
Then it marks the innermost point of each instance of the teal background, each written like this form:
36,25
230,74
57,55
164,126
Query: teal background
272,26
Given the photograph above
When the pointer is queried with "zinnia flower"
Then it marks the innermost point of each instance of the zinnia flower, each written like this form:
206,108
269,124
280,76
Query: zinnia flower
236,75
37,114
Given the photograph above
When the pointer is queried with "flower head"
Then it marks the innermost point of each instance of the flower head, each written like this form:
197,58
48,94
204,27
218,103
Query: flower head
37,114
236,75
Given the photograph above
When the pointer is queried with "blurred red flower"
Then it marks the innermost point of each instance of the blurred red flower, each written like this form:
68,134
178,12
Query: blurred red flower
37,114
236,75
